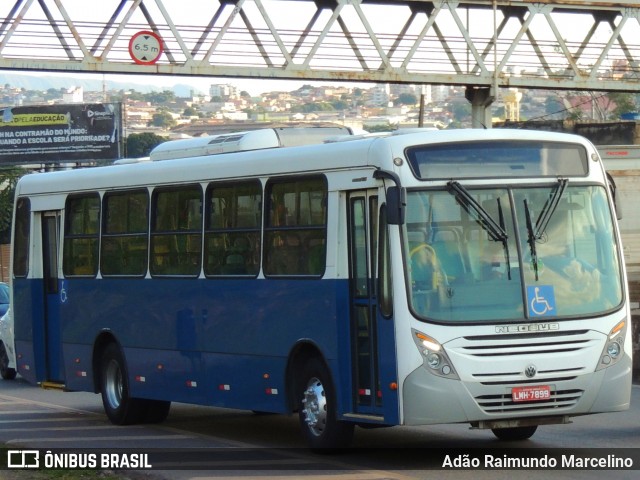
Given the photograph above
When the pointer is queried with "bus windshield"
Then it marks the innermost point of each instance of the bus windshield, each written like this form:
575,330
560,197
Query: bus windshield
508,254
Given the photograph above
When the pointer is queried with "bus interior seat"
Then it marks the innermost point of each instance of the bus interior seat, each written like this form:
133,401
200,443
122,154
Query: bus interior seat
235,256
234,265
315,252
416,238
422,271
285,256
446,244
161,252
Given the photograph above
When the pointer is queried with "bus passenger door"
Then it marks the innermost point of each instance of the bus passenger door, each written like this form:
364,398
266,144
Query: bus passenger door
52,331
369,332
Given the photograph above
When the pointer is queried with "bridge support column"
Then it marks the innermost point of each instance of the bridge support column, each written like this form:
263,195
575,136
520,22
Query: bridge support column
481,99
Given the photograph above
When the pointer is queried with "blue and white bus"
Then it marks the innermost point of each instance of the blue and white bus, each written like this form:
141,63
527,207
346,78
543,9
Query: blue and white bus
470,276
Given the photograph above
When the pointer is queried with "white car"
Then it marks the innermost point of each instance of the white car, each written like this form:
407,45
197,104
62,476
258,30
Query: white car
7,352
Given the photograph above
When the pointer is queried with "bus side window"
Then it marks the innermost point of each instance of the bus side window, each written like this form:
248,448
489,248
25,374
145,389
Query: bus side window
385,288
22,234
233,220
125,233
81,237
176,231
296,227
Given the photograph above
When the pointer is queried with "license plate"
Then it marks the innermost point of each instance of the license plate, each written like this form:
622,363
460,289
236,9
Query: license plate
531,394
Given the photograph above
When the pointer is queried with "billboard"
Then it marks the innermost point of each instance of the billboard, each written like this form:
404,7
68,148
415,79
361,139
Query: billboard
60,133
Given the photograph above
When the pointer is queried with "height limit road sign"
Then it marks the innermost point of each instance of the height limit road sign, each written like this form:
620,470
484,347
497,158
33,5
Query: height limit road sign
145,48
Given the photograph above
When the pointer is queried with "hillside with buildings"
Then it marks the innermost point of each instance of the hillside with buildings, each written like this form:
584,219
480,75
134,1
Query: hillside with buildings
225,107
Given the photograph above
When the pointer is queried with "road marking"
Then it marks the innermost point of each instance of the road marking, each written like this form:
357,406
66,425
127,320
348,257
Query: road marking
120,439
360,475
51,406
39,420
87,427
288,461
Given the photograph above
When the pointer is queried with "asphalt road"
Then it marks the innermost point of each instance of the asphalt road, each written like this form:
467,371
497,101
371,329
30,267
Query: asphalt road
202,442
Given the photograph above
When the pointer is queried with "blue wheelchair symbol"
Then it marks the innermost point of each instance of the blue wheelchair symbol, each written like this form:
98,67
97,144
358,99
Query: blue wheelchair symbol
541,301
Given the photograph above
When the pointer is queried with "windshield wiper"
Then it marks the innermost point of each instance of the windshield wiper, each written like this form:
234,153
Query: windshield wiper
532,238
504,240
549,208
536,231
496,230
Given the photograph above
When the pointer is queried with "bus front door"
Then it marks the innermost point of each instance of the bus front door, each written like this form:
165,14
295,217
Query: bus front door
52,337
372,362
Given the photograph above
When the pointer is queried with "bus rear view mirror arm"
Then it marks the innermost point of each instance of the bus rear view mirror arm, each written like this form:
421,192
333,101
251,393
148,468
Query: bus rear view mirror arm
396,197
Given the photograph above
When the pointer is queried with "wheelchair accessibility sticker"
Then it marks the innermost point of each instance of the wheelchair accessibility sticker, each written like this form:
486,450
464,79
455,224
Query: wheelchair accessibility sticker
541,301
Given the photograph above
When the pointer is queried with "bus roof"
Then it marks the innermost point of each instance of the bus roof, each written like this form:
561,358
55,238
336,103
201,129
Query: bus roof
372,152
272,161
243,141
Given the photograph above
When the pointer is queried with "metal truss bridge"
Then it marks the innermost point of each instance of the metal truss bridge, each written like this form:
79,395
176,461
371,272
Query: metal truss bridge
569,44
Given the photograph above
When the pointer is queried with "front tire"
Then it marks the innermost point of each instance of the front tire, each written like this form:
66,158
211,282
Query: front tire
515,433
6,372
318,410
120,407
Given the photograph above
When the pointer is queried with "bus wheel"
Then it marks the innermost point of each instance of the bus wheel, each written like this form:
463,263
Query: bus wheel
318,410
120,408
6,372
514,433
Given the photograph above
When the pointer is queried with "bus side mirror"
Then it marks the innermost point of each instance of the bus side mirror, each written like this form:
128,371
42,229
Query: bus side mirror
396,203
613,189
618,208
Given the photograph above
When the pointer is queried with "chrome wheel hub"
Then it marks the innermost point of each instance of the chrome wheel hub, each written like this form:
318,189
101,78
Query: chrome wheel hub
314,406
113,384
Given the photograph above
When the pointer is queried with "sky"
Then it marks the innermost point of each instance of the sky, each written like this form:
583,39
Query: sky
254,87
197,14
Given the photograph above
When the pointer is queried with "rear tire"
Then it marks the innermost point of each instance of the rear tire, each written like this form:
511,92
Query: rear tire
318,410
120,407
6,372
515,433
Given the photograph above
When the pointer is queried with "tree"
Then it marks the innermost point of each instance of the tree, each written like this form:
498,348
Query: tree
553,105
574,114
140,144
339,104
156,98
379,128
134,95
190,112
162,120
312,107
52,94
624,103
406,99
461,110
8,179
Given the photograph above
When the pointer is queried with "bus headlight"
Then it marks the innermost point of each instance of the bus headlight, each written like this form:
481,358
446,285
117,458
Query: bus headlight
614,348
434,356
433,360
